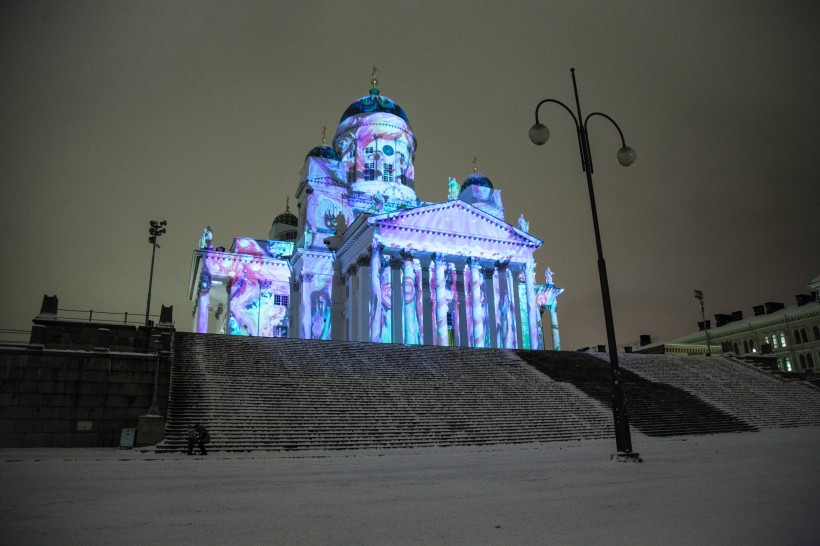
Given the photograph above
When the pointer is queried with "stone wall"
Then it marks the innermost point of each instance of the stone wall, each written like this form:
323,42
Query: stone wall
75,398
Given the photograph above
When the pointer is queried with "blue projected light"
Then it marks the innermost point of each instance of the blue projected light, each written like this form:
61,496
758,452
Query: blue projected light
388,150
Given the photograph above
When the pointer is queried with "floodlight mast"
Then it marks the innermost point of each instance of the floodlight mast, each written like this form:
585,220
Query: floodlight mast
539,134
155,230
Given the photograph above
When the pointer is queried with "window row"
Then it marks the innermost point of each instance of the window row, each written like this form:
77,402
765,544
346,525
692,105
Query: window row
801,335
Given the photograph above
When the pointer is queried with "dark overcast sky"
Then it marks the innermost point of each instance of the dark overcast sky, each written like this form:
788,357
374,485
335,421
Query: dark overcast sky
114,113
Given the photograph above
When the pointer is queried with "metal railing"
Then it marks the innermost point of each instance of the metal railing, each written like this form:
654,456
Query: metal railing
91,315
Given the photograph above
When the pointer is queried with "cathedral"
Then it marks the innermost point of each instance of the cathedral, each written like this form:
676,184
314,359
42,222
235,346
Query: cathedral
365,260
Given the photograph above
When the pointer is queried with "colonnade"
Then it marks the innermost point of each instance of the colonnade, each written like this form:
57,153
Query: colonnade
437,299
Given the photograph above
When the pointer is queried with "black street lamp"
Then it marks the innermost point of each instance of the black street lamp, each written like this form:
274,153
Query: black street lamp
539,134
699,297
156,230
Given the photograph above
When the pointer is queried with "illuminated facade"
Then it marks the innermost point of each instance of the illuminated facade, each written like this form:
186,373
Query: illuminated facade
365,260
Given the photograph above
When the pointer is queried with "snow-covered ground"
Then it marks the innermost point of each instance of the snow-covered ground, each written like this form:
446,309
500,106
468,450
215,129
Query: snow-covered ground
750,488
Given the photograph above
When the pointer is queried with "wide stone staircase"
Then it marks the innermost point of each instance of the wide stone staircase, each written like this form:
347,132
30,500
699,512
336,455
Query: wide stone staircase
291,394
654,407
738,388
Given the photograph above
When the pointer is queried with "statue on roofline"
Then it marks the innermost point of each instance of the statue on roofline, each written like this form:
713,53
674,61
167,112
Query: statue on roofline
205,242
523,224
453,189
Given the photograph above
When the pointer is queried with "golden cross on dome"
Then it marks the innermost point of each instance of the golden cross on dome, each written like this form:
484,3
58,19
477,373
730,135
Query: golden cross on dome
287,203
373,82
475,162
324,129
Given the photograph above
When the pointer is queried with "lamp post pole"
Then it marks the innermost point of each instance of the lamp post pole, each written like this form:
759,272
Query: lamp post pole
156,230
539,134
699,297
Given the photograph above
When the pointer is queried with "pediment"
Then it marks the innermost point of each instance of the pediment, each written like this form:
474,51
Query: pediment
453,227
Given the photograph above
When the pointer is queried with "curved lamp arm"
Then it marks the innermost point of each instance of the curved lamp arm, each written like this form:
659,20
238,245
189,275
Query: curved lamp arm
626,155
574,119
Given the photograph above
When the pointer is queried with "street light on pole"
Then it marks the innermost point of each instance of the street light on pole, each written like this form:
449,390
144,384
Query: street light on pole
699,297
539,134
156,230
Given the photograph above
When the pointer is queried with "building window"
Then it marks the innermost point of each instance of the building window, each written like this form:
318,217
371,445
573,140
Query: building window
279,331
775,343
787,364
280,299
766,340
752,345
369,150
796,336
388,172
745,346
736,347
351,173
782,339
370,171
809,360
816,331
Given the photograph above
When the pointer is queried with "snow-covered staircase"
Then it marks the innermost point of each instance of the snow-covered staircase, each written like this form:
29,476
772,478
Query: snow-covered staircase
289,394
655,407
738,388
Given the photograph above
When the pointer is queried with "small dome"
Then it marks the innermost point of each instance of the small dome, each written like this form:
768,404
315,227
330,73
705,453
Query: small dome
476,179
324,151
286,217
374,103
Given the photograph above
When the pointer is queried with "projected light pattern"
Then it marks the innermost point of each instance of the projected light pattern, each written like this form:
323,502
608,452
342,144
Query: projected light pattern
259,288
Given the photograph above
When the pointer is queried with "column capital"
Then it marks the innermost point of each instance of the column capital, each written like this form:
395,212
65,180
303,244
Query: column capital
502,264
438,257
376,247
363,261
306,277
395,263
472,261
406,254
488,273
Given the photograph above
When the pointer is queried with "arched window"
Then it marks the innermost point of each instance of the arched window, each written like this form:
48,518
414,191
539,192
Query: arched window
816,330
745,346
782,339
752,345
787,364
804,336
809,360
802,359
735,347
796,335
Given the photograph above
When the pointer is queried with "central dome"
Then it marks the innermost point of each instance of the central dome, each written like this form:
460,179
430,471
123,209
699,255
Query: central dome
374,103
476,179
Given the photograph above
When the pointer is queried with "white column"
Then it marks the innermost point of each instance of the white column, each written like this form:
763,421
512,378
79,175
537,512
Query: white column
476,279
489,294
456,307
519,325
442,337
304,306
464,326
397,301
376,308
411,328
532,311
426,291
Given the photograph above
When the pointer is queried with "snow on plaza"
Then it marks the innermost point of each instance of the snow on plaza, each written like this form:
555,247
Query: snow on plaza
744,488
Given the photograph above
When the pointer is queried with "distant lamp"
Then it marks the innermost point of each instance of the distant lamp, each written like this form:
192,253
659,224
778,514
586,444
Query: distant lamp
626,156
539,134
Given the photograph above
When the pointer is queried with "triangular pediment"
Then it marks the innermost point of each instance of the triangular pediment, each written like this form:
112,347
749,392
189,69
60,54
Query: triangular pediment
453,227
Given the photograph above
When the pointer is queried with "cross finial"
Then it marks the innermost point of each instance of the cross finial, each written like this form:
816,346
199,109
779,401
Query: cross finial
475,164
287,203
374,82
324,140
